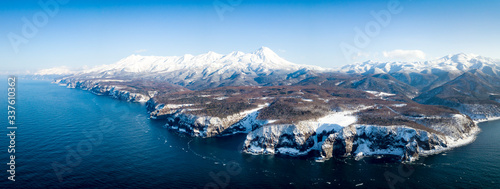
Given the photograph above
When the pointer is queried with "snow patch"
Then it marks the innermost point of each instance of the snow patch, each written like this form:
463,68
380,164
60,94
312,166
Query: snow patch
398,105
221,98
176,106
380,94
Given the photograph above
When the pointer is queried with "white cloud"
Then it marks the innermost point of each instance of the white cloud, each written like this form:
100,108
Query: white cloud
141,51
405,54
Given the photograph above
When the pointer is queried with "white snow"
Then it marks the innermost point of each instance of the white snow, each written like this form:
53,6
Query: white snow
338,83
271,121
380,94
260,106
398,105
487,119
175,106
340,118
290,151
63,70
334,121
263,60
325,100
452,63
255,149
221,98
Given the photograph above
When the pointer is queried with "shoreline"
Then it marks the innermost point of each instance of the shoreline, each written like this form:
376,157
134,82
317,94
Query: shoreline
451,145
486,120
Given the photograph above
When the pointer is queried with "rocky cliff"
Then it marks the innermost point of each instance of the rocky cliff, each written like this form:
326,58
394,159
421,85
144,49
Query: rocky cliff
180,119
100,87
338,137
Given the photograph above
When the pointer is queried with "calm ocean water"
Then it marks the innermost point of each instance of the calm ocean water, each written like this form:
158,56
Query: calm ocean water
69,138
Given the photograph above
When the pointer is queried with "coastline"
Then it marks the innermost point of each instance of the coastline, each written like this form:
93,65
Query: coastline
487,119
455,144
452,143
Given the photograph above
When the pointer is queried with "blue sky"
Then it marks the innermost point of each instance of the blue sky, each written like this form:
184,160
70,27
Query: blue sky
306,32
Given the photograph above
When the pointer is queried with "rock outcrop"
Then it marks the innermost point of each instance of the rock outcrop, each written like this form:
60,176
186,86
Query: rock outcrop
96,87
326,141
205,126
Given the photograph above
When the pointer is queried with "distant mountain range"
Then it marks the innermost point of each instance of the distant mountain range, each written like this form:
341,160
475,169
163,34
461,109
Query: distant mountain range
429,74
469,83
199,72
264,67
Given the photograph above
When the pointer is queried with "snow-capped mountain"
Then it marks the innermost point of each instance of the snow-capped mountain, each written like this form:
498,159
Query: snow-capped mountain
63,70
451,63
206,70
429,74
262,60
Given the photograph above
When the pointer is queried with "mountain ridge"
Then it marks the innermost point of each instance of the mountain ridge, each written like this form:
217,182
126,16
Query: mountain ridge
456,62
263,58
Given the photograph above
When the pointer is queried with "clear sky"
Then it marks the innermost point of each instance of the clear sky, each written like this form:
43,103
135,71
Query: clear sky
90,32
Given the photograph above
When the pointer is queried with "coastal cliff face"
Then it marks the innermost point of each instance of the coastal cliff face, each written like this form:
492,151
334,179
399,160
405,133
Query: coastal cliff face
181,120
97,87
327,140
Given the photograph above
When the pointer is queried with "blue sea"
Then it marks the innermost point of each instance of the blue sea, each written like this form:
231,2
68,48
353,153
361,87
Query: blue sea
69,138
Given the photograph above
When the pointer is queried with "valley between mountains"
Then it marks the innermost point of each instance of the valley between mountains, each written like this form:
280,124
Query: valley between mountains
394,109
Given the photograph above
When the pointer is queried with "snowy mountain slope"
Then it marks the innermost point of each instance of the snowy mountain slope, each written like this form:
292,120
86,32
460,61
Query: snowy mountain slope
206,70
429,74
474,93
382,83
262,60
451,63
63,70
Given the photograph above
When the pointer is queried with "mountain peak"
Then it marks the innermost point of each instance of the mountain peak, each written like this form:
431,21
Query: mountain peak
210,56
263,60
265,50
455,63
460,57
267,55
236,53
